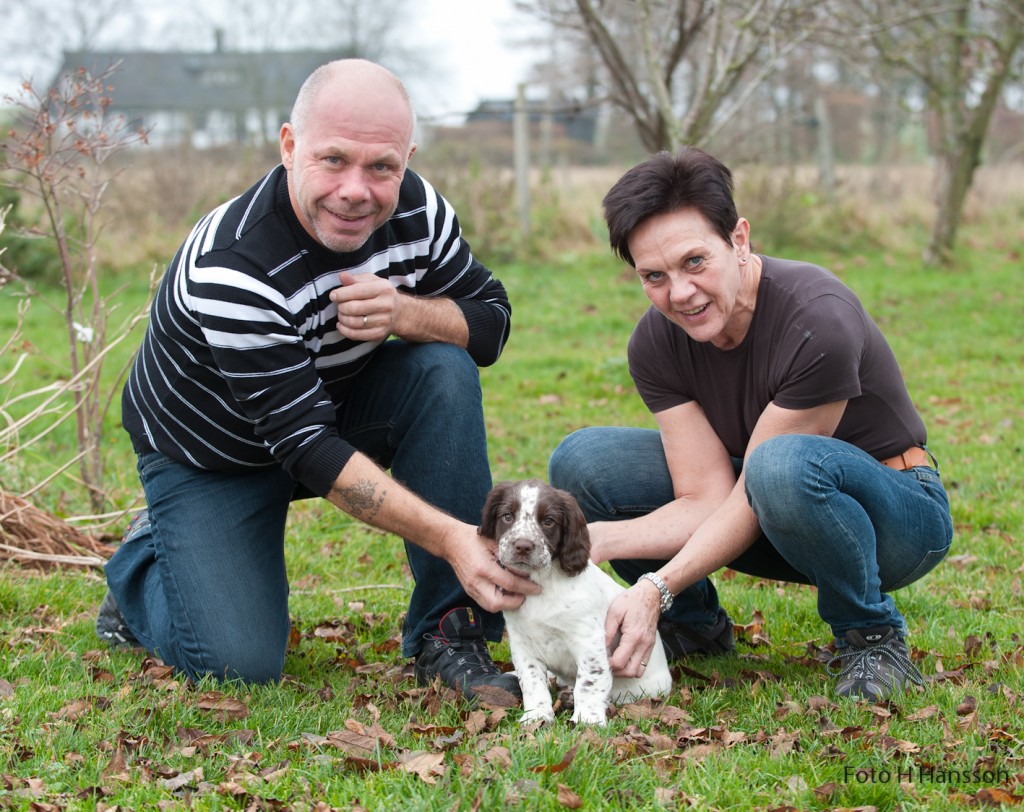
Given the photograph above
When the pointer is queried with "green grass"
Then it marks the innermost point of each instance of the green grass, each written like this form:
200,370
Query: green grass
85,727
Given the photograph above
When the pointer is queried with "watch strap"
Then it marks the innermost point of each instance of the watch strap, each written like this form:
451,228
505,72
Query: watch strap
667,597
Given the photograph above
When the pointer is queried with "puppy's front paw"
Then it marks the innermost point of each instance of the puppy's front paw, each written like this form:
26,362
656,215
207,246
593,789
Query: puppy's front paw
583,716
537,715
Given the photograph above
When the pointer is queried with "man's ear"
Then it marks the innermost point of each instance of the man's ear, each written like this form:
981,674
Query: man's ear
287,140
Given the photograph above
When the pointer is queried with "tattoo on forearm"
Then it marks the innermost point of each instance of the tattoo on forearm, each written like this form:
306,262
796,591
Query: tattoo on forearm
361,500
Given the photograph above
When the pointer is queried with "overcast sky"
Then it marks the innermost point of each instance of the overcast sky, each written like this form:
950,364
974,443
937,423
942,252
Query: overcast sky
476,47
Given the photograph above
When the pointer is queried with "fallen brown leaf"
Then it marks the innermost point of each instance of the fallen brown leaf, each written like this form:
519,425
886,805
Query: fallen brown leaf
476,722
182,780
498,756
376,731
568,798
356,743
961,561
923,713
783,743
560,766
826,790
967,706
898,745
430,730
427,766
644,709
366,765
117,768
728,737
998,796
227,707
494,697
73,710
156,670
233,789
698,753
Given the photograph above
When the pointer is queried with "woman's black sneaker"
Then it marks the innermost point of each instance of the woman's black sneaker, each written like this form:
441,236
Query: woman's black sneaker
681,640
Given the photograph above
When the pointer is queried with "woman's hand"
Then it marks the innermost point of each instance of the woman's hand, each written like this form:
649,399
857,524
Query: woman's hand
633,620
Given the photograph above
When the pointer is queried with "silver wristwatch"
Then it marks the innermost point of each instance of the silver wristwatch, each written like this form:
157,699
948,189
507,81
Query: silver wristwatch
666,597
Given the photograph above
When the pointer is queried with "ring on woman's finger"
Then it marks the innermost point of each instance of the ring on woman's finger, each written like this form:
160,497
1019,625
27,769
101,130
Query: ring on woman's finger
364,321
643,663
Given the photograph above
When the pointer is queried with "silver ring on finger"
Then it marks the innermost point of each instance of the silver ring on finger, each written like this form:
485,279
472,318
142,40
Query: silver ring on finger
364,321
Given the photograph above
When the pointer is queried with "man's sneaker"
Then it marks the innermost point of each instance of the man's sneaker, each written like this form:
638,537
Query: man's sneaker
459,656
874,665
681,640
110,625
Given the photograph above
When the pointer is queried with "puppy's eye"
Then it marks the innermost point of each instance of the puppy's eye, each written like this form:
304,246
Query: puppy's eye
548,522
507,518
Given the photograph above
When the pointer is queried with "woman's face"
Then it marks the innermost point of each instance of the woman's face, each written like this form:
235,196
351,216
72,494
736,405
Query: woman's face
694,277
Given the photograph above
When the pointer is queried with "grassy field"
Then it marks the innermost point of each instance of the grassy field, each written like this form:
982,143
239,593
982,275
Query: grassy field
83,727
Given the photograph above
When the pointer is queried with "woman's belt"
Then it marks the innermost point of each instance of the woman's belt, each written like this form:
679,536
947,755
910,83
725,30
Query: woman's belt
910,458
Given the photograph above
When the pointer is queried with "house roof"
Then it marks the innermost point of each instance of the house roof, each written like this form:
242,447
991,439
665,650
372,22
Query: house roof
212,80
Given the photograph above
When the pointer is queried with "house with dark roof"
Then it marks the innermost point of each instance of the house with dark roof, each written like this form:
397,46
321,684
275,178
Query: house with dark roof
203,98
578,122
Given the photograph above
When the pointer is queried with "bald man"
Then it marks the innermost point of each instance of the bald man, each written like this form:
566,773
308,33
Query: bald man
322,327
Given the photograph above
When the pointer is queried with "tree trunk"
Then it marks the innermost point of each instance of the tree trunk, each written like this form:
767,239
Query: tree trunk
955,173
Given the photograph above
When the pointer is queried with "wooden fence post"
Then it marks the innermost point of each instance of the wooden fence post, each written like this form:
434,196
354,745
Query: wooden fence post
521,158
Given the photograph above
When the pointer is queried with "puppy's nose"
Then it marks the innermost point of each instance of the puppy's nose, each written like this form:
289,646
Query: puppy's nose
522,546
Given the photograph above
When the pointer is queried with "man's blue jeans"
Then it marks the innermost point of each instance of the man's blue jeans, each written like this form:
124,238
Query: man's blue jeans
205,587
830,514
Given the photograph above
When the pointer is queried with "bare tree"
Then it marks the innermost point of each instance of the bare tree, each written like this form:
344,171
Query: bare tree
35,33
680,69
60,152
962,54
367,28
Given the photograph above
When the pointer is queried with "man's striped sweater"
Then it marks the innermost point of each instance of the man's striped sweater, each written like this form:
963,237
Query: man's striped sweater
242,365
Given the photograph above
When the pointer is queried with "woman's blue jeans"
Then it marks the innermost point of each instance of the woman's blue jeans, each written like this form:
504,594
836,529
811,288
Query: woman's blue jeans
205,586
830,515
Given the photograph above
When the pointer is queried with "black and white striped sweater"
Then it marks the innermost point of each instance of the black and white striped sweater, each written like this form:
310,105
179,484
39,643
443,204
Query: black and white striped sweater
242,365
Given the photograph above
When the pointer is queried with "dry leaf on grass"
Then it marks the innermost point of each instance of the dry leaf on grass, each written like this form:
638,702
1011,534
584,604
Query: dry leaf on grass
561,766
568,798
353,742
495,697
427,766
227,707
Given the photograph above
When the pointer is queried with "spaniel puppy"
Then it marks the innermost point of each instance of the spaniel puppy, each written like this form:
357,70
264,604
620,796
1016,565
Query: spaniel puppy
542,534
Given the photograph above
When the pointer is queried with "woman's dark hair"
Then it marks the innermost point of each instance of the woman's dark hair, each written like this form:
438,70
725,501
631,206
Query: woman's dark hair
667,182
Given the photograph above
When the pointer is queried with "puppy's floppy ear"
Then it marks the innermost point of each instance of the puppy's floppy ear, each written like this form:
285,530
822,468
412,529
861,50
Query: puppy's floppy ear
574,551
493,505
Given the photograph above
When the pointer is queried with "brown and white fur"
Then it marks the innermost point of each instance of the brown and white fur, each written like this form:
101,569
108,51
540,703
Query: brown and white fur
542,534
